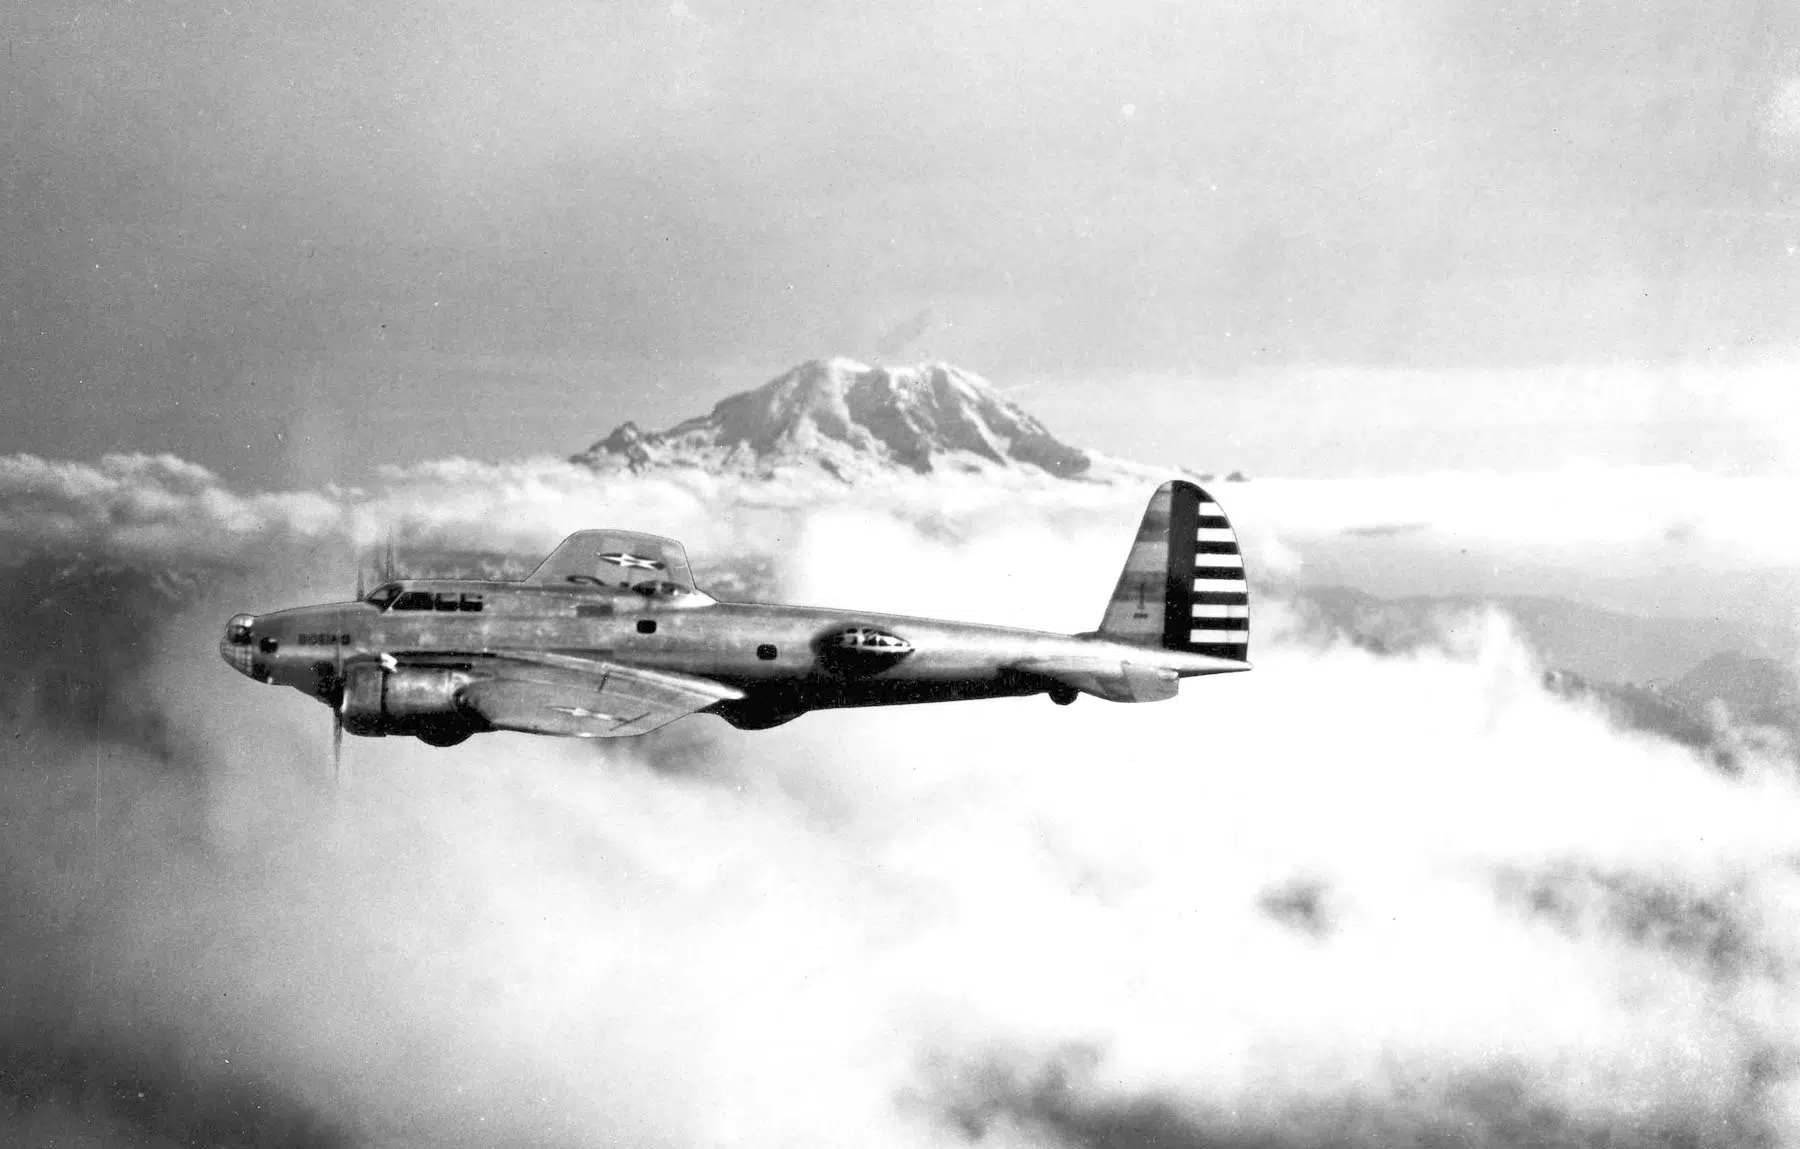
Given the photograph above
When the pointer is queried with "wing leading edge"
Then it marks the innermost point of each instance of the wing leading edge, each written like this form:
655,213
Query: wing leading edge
536,693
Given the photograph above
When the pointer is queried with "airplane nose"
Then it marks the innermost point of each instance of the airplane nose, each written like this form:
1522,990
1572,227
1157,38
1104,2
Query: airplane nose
235,648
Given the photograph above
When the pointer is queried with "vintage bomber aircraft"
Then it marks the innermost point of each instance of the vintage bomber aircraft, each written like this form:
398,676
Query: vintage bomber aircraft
609,637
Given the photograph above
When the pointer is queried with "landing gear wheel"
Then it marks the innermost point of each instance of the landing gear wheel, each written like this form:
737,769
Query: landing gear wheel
1063,695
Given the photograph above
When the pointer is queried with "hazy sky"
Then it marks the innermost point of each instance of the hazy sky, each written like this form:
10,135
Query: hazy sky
292,240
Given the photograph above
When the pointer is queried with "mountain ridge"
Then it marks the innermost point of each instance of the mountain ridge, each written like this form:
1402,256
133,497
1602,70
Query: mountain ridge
851,420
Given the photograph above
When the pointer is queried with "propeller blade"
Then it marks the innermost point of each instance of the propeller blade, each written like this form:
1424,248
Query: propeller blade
359,579
337,709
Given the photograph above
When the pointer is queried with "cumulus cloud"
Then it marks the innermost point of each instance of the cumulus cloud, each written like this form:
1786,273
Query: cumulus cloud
1346,898
146,503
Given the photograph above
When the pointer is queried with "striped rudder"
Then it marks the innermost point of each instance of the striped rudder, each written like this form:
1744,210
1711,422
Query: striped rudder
1183,586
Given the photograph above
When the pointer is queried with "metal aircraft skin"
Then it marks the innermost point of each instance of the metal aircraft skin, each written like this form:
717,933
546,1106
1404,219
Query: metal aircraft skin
609,637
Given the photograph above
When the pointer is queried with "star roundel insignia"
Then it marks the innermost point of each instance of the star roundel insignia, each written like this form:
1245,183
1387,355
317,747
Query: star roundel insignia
627,559
583,712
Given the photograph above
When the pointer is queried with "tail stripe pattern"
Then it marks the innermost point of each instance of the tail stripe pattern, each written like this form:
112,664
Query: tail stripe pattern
1183,586
1222,598
1216,620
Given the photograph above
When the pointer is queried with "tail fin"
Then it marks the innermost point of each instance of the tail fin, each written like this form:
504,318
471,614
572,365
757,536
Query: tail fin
1183,586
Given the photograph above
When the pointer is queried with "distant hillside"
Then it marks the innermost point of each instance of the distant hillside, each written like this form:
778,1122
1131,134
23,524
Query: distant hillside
1765,690
79,636
1649,709
1661,675
1596,643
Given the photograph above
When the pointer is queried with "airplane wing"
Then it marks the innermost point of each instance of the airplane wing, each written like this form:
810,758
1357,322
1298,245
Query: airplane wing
540,693
616,558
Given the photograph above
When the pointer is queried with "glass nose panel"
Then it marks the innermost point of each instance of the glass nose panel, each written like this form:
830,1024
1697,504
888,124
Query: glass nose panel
235,649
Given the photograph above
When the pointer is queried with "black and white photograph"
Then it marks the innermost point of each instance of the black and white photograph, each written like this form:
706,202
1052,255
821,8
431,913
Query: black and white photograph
963,574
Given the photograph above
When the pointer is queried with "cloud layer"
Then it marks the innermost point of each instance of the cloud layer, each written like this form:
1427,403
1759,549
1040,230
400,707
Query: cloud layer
1656,540
1345,899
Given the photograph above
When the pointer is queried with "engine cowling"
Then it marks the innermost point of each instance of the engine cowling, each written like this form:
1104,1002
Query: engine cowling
408,700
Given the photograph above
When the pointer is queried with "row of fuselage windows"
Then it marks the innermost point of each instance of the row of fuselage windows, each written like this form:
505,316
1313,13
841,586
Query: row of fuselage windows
439,600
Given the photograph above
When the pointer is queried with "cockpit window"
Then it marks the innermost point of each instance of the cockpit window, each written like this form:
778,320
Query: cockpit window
414,600
382,595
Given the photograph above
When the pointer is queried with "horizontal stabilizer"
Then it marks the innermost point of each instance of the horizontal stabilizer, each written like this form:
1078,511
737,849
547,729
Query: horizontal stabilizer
1107,678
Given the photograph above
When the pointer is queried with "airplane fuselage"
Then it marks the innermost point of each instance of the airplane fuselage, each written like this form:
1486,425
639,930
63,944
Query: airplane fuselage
610,637
786,659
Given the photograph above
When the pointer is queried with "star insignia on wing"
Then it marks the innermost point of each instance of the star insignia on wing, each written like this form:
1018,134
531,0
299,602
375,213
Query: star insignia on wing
584,712
627,559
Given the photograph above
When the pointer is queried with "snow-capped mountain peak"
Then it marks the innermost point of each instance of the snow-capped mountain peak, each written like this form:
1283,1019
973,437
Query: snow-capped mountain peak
848,419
